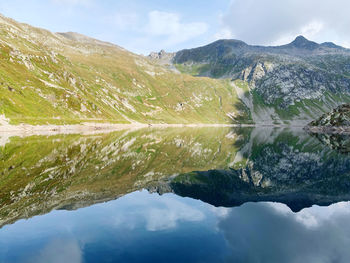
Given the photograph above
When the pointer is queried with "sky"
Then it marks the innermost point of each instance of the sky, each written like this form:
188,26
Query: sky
144,26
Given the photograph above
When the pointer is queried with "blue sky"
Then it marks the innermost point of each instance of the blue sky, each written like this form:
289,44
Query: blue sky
144,26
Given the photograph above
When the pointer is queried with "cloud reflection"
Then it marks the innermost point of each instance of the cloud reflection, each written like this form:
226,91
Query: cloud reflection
58,251
271,232
156,213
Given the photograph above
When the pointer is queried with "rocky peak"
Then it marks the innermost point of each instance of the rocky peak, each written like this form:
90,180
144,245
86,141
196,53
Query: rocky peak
159,55
303,43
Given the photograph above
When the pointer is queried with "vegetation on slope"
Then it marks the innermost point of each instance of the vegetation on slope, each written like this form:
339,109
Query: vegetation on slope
70,78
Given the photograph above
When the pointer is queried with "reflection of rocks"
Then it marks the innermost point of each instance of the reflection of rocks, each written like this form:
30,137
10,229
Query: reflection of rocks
226,188
39,174
296,172
333,128
336,141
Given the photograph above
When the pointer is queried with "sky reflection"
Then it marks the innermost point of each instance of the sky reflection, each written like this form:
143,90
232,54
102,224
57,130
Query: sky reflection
143,227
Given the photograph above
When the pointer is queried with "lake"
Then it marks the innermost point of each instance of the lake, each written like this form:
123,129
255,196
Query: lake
176,195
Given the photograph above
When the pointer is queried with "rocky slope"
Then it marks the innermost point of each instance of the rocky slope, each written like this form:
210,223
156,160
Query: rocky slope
339,117
298,81
336,121
63,78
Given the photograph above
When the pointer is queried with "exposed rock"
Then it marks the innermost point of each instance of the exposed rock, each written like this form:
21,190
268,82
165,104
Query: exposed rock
161,55
282,75
339,118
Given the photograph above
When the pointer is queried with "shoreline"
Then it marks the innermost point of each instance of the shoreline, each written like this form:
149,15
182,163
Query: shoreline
7,129
26,130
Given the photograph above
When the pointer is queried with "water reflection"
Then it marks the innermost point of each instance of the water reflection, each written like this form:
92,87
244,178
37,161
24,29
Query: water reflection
138,227
338,142
270,232
143,227
207,178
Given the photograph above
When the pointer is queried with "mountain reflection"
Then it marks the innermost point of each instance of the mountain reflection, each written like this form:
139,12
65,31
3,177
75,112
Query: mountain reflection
220,166
338,142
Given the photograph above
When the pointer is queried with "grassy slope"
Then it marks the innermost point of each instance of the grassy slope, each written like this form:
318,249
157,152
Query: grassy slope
49,78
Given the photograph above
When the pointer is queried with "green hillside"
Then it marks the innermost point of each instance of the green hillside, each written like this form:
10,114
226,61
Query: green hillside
69,78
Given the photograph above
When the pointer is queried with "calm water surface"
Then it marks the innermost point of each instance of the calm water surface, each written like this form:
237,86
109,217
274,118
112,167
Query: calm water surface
175,195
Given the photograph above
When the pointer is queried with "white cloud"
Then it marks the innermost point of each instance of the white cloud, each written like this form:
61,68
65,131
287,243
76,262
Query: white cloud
125,21
156,213
151,31
274,22
224,33
170,27
59,250
271,232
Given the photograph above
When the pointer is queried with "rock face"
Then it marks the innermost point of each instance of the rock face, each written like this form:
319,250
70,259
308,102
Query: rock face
339,117
336,122
161,55
288,78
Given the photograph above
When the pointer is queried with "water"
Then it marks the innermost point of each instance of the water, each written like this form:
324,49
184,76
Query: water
176,195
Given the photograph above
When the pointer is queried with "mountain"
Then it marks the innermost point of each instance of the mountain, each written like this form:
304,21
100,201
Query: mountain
68,78
295,82
64,78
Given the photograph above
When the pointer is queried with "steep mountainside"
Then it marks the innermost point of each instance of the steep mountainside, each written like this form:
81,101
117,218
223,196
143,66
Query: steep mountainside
297,81
70,78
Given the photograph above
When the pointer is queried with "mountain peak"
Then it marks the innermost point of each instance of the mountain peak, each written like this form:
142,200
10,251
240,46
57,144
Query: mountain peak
331,45
302,42
301,38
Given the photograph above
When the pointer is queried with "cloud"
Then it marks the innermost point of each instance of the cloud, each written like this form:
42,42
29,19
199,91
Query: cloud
156,213
271,232
170,27
59,250
151,31
277,22
124,21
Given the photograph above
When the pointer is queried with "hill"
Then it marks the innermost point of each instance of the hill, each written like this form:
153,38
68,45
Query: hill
68,78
